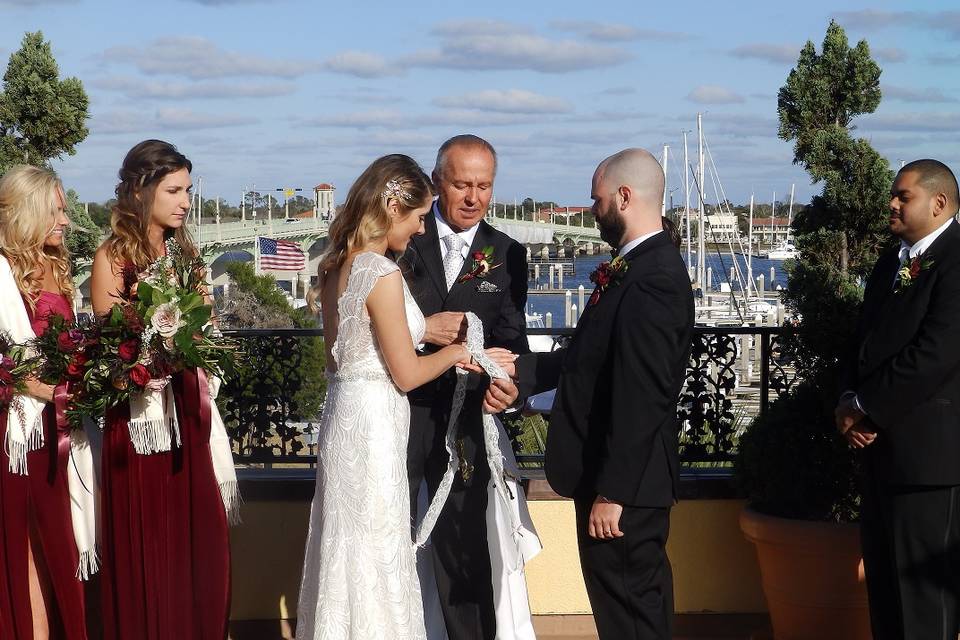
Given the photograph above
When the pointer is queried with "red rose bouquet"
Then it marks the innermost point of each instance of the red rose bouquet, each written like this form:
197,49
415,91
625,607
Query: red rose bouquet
13,370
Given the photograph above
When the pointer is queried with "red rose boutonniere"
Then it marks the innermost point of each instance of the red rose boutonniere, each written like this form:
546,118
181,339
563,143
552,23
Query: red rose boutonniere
606,275
482,265
909,272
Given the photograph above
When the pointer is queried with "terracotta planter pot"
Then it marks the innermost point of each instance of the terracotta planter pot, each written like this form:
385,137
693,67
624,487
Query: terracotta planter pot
812,577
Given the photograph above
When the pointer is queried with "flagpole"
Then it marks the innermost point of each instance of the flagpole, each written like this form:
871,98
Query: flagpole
256,255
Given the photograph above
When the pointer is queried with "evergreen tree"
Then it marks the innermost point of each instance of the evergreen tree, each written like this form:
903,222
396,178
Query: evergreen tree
41,116
83,237
840,234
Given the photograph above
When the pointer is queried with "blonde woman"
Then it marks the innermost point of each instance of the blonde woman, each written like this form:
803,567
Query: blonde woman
40,595
165,545
359,575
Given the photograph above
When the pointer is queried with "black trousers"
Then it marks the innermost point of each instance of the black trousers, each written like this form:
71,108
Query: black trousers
461,559
629,580
911,556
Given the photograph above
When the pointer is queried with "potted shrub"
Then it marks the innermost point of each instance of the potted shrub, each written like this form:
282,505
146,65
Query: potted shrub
796,471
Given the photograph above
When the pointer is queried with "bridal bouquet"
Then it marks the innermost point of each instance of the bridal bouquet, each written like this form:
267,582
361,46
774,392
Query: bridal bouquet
162,326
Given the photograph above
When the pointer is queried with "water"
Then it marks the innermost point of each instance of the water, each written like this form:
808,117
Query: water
554,302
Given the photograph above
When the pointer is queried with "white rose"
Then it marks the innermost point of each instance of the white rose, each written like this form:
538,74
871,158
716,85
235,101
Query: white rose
166,319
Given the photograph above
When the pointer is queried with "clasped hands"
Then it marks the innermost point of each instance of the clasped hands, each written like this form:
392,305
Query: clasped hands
450,327
852,423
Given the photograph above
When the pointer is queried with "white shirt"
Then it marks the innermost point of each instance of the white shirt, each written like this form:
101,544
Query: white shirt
444,230
923,243
633,244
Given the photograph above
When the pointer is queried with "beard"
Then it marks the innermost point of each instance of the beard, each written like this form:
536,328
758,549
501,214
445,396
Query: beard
612,226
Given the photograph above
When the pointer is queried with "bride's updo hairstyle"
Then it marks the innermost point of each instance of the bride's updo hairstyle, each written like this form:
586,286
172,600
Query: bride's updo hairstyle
364,218
143,168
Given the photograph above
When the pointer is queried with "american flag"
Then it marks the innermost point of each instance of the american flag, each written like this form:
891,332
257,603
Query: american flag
281,255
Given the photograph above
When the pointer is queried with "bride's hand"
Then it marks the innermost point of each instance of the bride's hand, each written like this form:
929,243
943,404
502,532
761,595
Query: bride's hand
466,362
505,358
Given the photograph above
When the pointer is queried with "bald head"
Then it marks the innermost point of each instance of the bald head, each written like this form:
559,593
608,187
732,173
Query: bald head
638,170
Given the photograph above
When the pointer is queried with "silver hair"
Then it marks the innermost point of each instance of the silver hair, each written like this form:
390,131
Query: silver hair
465,140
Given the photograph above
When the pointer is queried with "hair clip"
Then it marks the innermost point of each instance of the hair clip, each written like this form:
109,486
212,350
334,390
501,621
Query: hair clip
394,190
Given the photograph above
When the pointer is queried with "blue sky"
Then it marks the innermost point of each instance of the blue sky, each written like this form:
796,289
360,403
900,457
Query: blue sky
290,93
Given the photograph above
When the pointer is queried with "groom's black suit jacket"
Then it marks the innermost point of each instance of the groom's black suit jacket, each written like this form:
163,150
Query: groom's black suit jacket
906,367
613,426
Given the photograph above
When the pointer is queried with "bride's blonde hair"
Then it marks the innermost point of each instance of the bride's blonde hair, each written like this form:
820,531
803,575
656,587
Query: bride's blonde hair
364,218
29,199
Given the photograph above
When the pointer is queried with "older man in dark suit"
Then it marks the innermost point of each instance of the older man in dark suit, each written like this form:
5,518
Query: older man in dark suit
447,279
902,407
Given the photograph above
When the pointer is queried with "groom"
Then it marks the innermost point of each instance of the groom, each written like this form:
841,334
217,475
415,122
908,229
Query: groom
612,443
902,408
447,279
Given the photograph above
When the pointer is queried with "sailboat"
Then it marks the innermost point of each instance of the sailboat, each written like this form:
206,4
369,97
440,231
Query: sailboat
785,250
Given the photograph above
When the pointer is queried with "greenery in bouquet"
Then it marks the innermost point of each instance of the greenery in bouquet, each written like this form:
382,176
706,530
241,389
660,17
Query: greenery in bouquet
161,326
13,370
59,352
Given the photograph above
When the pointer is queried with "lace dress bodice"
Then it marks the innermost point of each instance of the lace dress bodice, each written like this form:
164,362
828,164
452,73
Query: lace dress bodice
356,352
359,575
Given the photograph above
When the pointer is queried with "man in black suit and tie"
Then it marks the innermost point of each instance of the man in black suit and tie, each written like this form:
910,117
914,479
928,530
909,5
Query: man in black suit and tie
444,271
612,443
902,407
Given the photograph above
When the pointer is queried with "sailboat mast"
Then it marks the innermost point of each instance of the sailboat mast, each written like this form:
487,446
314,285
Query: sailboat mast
663,165
701,246
750,248
686,191
790,212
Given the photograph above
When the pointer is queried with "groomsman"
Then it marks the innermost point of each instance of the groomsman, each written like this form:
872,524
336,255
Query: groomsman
441,270
902,408
612,443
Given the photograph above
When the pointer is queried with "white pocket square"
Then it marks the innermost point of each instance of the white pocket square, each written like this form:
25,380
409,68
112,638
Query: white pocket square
487,287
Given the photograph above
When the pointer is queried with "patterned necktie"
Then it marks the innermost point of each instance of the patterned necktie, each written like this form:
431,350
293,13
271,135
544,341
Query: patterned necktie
453,261
904,260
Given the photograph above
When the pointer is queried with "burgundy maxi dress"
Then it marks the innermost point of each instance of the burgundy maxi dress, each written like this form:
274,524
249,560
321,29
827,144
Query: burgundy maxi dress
165,549
40,502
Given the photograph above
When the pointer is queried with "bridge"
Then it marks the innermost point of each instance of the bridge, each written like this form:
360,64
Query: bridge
231,241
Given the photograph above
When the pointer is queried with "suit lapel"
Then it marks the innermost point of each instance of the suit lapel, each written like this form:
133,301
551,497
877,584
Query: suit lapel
482,238
427,247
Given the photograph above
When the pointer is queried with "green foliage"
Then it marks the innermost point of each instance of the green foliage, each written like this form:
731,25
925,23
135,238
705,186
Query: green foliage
792,462
41,116
263,288
83,237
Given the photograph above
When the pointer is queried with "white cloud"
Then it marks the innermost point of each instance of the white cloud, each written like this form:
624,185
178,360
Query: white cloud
609,32
509,101
464,118
201,59
872,19
489,45
713,94
768,52
904,94
357,119
926,121
361,65
166,119
136,88
34,3
890,54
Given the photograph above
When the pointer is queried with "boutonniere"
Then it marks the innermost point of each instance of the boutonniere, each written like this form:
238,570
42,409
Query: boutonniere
482,265
606,275
909,272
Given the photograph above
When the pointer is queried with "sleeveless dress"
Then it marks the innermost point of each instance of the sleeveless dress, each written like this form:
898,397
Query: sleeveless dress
41,501
359,577
165,548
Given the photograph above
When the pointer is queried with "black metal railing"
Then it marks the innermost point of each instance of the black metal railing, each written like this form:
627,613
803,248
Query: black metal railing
272,407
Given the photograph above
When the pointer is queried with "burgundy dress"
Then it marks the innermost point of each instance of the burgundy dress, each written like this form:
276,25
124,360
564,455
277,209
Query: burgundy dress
164,544
40,501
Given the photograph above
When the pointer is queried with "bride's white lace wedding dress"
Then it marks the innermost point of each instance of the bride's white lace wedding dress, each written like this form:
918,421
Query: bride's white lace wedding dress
359,575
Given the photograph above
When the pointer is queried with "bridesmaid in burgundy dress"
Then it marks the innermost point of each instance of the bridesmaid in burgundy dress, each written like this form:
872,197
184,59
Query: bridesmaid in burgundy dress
40,595
165,548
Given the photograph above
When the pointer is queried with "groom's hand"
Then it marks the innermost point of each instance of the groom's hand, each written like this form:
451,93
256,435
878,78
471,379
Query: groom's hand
847,414
604,521
500,395
505,358
445,328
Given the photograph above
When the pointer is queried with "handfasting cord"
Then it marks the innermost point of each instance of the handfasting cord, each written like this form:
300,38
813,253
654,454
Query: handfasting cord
490,434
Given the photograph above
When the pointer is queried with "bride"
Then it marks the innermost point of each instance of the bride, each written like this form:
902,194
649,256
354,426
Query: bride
359,574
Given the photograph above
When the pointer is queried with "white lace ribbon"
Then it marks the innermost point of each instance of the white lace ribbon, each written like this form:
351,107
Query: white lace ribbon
490,439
